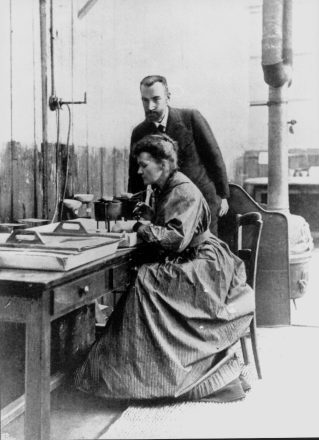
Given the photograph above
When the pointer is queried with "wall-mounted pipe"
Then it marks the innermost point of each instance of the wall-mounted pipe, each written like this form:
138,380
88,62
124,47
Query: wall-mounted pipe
277,42
44,90
287,39
277,69
52,49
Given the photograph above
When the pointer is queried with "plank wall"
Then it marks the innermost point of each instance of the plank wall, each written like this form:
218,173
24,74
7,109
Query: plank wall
95,166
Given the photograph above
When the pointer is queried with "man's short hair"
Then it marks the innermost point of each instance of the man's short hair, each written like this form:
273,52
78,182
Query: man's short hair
149,80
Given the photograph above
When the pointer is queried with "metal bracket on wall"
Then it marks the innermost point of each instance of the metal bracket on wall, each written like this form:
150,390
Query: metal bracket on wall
55,103
268,103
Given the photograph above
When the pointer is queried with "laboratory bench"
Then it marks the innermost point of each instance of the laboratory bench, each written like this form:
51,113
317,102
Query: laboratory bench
36,298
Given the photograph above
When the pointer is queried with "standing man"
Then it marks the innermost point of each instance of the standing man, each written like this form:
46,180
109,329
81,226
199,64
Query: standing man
199,156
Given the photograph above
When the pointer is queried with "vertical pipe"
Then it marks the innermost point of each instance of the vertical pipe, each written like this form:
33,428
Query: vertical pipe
11,117
278,195
278,189
44,88
276,63
52,49
272,33
72,66
287,35
35,147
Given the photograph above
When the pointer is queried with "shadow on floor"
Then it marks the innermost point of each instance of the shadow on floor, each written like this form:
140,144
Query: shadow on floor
74,415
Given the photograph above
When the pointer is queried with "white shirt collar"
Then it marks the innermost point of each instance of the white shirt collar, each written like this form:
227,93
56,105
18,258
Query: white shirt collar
164,120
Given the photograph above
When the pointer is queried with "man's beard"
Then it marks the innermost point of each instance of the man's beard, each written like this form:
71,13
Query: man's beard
153,116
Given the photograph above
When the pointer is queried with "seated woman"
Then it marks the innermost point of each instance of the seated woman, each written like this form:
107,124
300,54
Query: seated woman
170,334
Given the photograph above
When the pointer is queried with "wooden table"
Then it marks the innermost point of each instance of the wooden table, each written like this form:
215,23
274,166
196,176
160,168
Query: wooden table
36,298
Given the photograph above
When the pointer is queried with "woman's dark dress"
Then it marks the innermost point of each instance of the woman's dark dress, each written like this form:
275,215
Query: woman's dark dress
180,316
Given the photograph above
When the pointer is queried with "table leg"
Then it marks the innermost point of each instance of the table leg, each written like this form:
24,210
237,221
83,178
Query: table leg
37,370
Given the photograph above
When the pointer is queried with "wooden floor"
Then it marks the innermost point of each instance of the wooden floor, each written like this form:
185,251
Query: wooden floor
76,415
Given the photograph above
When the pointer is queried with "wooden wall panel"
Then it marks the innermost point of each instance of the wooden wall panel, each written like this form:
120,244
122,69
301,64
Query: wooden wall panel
82,64
22,72
5,183
51,154
119,172
94,172
38,176
68,170
23,187
80,162
5,71
20,182
107,171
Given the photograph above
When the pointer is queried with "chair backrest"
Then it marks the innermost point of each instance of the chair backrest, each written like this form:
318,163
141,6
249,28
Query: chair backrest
273,274
248,232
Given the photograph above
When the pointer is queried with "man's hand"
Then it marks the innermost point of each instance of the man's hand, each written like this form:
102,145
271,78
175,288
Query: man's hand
143,211
223,207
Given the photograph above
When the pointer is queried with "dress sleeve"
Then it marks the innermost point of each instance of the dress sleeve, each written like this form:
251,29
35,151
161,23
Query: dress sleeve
178,217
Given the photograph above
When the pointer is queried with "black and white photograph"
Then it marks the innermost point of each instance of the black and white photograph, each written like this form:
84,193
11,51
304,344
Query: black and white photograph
159,219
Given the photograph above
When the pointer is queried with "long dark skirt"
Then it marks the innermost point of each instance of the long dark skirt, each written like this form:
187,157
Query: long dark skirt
170,333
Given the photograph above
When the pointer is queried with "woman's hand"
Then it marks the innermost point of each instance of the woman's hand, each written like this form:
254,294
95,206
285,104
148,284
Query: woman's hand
142,211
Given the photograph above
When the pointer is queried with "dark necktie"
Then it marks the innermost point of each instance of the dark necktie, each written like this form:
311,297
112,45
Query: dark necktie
161,128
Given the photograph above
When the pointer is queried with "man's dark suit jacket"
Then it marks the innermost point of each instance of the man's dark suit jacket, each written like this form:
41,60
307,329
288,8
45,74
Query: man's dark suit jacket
199,156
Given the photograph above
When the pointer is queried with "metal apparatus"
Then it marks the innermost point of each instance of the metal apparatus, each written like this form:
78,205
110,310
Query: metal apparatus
117,209
67,247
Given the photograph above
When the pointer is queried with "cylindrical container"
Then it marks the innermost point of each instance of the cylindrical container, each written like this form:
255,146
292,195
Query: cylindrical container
108,210
114,210
299,274
128,206
100,211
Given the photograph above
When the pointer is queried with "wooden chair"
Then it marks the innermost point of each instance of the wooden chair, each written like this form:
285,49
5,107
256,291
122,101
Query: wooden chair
247,239
273,273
